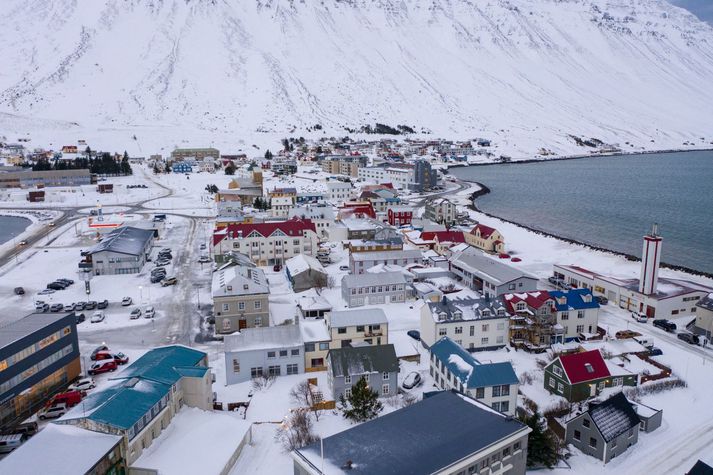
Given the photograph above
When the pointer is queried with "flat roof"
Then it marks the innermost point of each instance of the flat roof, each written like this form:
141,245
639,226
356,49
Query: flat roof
19,329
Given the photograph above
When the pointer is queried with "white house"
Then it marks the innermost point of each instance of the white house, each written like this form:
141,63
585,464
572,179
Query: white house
339,191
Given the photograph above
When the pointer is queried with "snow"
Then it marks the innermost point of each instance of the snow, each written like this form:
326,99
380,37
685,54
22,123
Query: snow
183,447
463,366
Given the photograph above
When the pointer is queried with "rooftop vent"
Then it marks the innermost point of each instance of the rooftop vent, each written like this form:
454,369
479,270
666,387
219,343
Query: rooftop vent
588,367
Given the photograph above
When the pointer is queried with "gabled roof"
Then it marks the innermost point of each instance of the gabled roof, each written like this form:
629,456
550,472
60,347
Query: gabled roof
584,366
469,371
485,231
420,439
534,299
443,236
302,263
281,336
462,309
700,468
487,268
575,299
124,240
362,316
235,279
613,417
362,360
371,279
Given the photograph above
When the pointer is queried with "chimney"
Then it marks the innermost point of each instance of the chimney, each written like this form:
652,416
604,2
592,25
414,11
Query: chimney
347,465
650,259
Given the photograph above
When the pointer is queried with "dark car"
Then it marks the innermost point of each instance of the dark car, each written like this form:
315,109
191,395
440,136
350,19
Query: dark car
689,338
665,325
91,305
157,278
98,350
56,307
655,351
19,291
56,286
78,306
415,334
69,281
601,300
277,268
103,304
80,317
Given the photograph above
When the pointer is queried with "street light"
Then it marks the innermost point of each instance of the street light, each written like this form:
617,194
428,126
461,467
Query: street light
141,294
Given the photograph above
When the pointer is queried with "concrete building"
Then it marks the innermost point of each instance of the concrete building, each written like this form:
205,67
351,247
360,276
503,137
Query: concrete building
375,289
46,178
145,397
344,165
339,191
486,238
493,384
375,363
399,215
475,324
240,298
321,215
280,206
354,327
441,210
122,251
39,356
305,272
704,317
316,338
268,351
577,312
361,261
180,154
489,276
472,439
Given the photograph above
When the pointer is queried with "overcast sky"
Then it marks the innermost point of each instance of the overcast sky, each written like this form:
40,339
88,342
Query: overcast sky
702,8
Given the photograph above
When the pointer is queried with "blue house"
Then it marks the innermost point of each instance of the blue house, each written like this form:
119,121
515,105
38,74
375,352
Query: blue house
577,312
181,167
494,384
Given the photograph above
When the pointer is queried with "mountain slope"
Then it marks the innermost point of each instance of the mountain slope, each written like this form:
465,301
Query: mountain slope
525,71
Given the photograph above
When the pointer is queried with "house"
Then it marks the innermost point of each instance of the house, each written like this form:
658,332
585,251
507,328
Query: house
704,317
207,164
182,167
399,215
374,289
313,306
361,261
606,430
321,215
441,210
579,376
533,321
39,356
339,191
266,351
489,276
122,251
141,401
650,418
375,363
352,327
577,312
305,272
700,468
316,338
474,323
266,243
356,209
472,438
105,188
486,238
373,245
240,298
283,167
280,206
493,384
443,240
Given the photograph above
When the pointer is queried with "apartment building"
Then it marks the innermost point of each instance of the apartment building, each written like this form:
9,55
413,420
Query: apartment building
240,298
348,327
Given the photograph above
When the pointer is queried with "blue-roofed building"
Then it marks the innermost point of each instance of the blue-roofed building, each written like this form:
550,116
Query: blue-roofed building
493,384
446,433
145,397
577,312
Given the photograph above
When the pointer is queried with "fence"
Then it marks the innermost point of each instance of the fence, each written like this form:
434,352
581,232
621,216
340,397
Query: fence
665,370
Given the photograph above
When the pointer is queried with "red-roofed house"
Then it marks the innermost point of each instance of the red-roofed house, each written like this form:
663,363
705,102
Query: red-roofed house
579,376
399,215
357,209
533,324
266,243
486,238
442,240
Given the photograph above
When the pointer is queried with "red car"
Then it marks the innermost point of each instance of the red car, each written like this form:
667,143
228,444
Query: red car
121,358
103,355
70,398
103,366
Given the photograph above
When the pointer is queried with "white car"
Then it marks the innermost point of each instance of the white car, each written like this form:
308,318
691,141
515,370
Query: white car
83,384
149,312
58,410
126,301
97,317
638,317
68,308
135,313
204,259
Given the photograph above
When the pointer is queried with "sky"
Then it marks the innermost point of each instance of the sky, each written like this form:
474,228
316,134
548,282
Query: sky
702,8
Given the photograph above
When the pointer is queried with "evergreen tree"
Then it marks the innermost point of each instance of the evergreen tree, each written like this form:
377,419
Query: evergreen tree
268,155
230,169
541,443
362,404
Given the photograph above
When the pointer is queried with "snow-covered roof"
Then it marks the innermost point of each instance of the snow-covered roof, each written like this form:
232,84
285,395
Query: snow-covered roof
235,279
125,240
371,279
355,361
468,370
314,330
281,336
387,255
614,416
363,316
313,302
301,263
60,449
487,268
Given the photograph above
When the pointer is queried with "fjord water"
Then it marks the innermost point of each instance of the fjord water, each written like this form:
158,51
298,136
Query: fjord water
610,202
11,226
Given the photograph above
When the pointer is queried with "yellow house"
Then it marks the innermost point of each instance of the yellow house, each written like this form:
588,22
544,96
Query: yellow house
486,238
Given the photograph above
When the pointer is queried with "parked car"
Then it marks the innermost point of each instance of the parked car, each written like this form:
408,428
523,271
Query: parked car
162,262
82,384
655,352
158,270
69,398
19,291
553,280
157,278
689,338
39,304
9,442
80,317
97,317
624,334
103,355
56,286
103,366
169,281
203,246
601,300
103,304
27,428
412,380
415,334
79,306
91,305
121,358
135,313
45,292
149,312
277,268
343,267
638,317
664,324
66,281
56,307
204,259
98,349
68,308
52,412
126,301
45,307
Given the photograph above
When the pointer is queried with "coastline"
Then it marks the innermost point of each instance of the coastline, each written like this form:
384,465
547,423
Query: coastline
484,190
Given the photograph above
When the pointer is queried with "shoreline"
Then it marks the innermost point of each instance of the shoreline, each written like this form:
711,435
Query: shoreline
484,190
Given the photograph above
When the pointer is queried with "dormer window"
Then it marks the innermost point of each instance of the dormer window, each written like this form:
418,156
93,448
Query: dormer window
588,367
520,306
457,314
501,313
485,312
587,298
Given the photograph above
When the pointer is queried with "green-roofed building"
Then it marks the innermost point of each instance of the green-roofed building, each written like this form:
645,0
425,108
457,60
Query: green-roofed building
145,397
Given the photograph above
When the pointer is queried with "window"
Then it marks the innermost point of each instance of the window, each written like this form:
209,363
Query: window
506,452
283,353
511,286
501,326
442,331
580,328
484,341
516,447
486,328
560,387
580,314
500,339
480,393
309,346
255,372
258,304
341,331
226,324
226,307
295,352
618,381
385,376
385,389
496,406
292,369
241,305
552,382
505,390
520,306
565,315
557,370
324,346
273,370
236,365
258,321
459,330
504,406
348,379
348,392
577,435
592,442
472,330
270,354
585,423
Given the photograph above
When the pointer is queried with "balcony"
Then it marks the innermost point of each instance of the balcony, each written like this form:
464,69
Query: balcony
85,265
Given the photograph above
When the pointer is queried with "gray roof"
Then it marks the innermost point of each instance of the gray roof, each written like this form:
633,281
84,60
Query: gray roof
421,439
234,280
470,309
706,302
363,359
281,336
368,279
125,240
312,212
19,329
362,316
487,268
387,255
614,416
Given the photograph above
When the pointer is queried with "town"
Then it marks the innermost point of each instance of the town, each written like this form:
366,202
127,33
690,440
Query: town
330,306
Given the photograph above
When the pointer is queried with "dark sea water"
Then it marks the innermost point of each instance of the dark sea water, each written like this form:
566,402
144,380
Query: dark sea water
11,226
610,201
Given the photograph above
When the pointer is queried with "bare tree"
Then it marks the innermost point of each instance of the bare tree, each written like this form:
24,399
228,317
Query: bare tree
263,381
303,395
296,431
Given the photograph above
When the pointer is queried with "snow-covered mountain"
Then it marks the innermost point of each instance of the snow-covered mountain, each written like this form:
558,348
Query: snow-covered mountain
524,72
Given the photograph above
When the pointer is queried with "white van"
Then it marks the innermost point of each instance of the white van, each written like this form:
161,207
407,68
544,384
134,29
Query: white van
8,443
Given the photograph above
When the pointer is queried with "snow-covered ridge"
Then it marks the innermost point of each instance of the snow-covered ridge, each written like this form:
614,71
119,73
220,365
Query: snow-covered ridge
521,69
